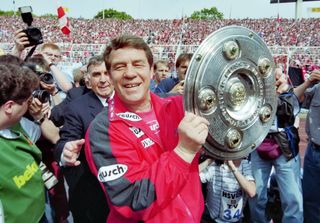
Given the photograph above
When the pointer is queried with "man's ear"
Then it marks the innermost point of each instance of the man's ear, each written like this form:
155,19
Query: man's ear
87,81
8,107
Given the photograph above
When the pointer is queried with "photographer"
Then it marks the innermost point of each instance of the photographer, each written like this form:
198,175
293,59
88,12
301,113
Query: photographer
50,52
36,125
22,186
49,95
47,82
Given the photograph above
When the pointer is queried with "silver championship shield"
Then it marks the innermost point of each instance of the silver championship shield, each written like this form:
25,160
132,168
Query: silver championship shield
230,82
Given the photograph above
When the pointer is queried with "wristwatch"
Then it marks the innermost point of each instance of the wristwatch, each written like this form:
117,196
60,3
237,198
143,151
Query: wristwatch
40,121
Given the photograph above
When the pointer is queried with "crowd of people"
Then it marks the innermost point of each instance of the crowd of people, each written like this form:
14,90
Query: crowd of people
111,141
167,37
283,32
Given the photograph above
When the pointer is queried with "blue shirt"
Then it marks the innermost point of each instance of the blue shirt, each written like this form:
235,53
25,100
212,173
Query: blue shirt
166,85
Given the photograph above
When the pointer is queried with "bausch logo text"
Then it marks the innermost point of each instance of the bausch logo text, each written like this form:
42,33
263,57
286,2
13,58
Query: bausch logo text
112,172
129,116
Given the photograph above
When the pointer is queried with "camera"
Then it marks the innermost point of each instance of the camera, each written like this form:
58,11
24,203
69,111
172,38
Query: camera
42,95
34,34
48,178
46,77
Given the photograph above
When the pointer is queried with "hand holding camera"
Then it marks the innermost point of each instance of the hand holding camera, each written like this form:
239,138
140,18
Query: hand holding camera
39,110
30,36
33,34
20,40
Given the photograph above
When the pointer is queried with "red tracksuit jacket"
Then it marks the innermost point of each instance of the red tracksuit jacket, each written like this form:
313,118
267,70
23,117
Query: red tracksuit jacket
144,179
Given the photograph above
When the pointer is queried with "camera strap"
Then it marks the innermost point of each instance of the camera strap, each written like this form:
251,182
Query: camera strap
30,52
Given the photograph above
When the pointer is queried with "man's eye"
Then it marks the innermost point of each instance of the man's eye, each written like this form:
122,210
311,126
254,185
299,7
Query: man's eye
120,67
96,74
138,65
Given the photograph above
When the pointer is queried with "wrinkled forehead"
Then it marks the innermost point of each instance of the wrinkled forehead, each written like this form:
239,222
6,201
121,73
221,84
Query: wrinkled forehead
127,54
161,66
98,66
52,51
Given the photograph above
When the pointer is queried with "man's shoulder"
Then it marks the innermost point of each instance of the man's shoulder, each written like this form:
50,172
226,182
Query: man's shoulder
81,104
84,97
76,92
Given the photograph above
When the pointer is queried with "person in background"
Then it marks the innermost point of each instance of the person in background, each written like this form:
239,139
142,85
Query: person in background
86,198
283,138
161,72
21,185
175,84
146,161
79,77
57,197
57,114
51,53
309,93
230,184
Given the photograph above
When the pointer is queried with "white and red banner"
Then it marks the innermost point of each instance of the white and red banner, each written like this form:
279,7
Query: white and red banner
64,22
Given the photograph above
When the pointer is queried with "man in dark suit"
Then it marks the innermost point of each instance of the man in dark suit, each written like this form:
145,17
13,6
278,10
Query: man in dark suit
57,112
86,198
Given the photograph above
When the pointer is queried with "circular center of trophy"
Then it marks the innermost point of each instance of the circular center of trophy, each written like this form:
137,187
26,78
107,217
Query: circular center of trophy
237,94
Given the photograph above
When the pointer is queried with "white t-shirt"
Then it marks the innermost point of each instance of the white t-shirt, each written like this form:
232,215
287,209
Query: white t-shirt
225,197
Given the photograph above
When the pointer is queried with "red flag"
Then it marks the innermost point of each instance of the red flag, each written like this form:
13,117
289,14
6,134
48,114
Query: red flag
64,22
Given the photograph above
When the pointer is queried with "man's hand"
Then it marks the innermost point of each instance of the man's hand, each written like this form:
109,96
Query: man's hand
39,110
51,88
20,40
178,88
314,76
70,153
193,131
281,81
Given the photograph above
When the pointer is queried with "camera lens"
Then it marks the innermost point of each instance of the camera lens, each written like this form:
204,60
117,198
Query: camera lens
46,78
42,95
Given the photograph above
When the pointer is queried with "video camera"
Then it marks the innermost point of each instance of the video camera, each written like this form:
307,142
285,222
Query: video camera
34,34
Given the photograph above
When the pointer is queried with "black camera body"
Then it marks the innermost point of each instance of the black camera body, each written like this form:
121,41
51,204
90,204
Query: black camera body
34,34
42,95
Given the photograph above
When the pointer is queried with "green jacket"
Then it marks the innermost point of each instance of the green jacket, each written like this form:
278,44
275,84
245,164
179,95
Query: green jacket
21,185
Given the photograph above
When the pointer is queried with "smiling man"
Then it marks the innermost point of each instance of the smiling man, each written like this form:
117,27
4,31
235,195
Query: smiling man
85,194
144,149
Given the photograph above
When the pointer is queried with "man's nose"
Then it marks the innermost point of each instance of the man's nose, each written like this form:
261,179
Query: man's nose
130,72
104,78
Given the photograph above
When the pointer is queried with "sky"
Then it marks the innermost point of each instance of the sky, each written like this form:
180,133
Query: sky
165,9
